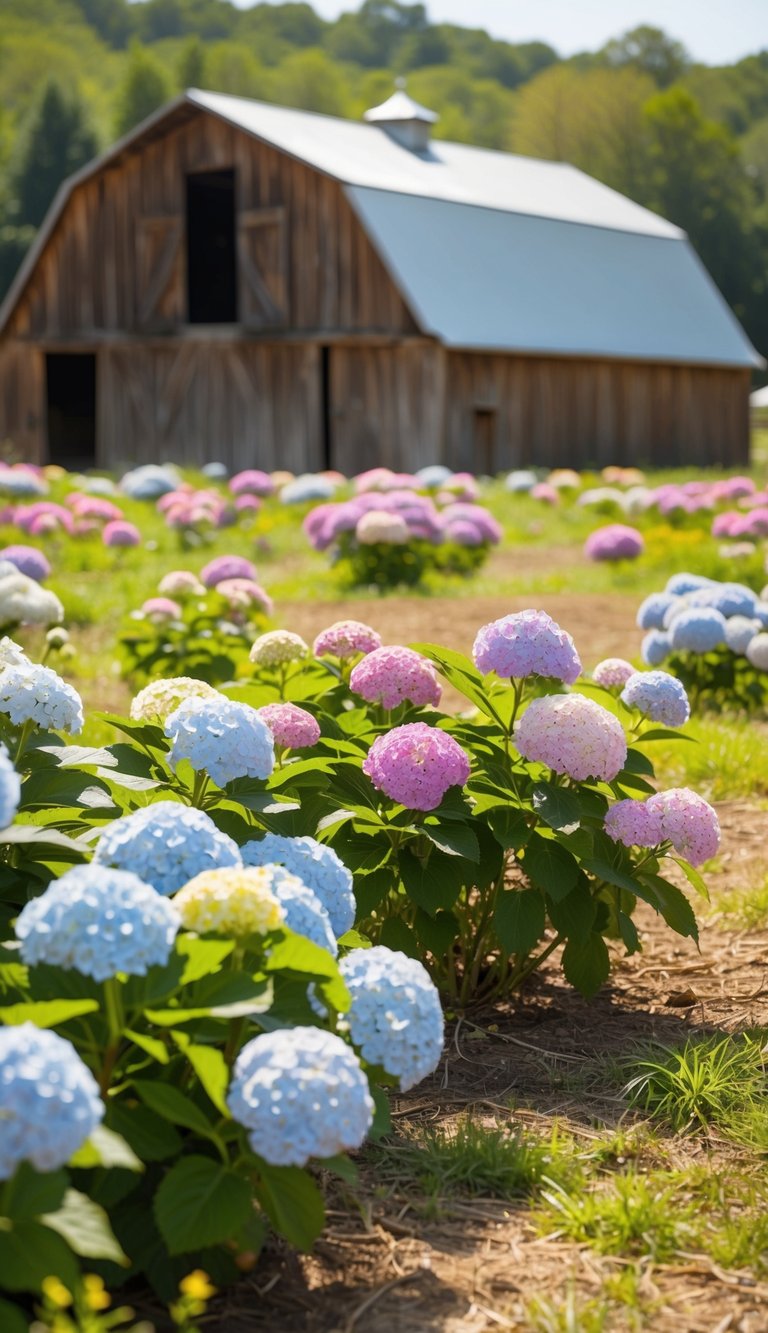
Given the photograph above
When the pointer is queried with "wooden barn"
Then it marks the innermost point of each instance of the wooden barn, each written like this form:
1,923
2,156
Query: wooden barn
263,286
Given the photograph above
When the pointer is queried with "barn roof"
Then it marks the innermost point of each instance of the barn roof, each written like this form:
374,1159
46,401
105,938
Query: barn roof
491,250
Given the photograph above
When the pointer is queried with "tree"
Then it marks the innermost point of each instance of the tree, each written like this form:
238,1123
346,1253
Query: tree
145,87
308,79
649,49
57,141
192,64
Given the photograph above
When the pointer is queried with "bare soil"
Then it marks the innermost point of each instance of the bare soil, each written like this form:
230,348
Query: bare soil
383,1266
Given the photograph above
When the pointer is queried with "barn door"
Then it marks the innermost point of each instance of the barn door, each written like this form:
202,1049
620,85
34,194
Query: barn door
159,272
263,267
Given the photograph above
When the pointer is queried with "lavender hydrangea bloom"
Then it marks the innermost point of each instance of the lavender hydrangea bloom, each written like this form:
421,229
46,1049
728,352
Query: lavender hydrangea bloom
316,865
615,541
227,567
28,560
32,693
697,630
634,823
303,911
651,612
49,1100
301,1093
656,647
10,789
166,844
527,643
572,734
416,765
227,740
395,1019
659,696
98,922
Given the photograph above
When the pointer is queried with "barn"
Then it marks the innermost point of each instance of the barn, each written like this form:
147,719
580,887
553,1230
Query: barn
265,286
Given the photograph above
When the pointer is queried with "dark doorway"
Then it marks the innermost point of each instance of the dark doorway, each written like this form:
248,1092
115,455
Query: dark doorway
211,257
325,407
484,441
71,409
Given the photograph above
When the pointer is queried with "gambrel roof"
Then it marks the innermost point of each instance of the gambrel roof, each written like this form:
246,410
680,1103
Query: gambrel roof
491,250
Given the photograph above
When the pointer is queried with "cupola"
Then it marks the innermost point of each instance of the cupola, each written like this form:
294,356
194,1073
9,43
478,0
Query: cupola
404,120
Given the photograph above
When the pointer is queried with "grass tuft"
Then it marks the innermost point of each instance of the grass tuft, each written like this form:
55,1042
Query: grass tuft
702,1084
631,1215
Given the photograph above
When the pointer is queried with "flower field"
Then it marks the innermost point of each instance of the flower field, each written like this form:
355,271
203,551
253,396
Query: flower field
384,901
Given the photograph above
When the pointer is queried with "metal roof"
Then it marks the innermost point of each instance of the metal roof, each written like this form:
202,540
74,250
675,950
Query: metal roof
360,154
491,250
481,278
400,106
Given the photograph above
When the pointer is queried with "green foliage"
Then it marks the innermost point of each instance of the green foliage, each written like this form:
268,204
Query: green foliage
700,1085
144,88
631,1215
54,144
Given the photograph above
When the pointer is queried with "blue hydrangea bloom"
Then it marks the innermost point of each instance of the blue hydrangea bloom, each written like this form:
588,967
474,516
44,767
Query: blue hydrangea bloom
433,476
166,844
656,646
98,922
316,865
10,789
651,612
739,632
659,696
395,1019
697,630
309,486
761,613
49,1100
682,583
227,740
304,913
301,1093
150,481
730,599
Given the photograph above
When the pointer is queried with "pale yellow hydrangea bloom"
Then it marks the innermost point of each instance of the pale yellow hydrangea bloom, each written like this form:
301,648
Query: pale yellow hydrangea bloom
230,901
277,647
157,701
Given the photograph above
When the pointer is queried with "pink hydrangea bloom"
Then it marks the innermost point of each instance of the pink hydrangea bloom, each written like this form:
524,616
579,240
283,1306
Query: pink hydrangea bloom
292,727
613,671
181,583
528,643
244,593
121,533
253,482
227,567
573,735
615,541
688,822
346,638
247,504
387,676
161,609
635,823
416,764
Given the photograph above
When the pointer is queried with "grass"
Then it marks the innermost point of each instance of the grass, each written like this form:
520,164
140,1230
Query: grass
702,1084
632,1214
746,907
472,1160
728,763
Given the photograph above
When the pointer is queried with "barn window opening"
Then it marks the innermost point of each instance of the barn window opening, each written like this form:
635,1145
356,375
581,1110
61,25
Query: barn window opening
325,407
70,381
484,441
211,248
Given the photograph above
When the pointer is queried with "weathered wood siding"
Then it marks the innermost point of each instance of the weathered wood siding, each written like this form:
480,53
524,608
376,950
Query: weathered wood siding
22,400
386,406
116,261
581,413
243,404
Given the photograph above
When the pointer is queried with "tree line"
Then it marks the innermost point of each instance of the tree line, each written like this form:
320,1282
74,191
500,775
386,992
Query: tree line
686,140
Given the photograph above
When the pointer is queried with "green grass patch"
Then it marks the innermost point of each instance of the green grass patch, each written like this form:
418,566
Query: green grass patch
746,907
705,1083
728,763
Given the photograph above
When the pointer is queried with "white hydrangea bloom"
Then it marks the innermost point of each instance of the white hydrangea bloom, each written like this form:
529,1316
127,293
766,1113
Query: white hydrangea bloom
32,693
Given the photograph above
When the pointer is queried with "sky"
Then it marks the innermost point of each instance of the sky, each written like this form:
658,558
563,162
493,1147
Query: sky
716,32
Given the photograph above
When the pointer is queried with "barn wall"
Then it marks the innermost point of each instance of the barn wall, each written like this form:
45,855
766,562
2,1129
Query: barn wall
580,413
244,404
22,401
116,260
386,406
